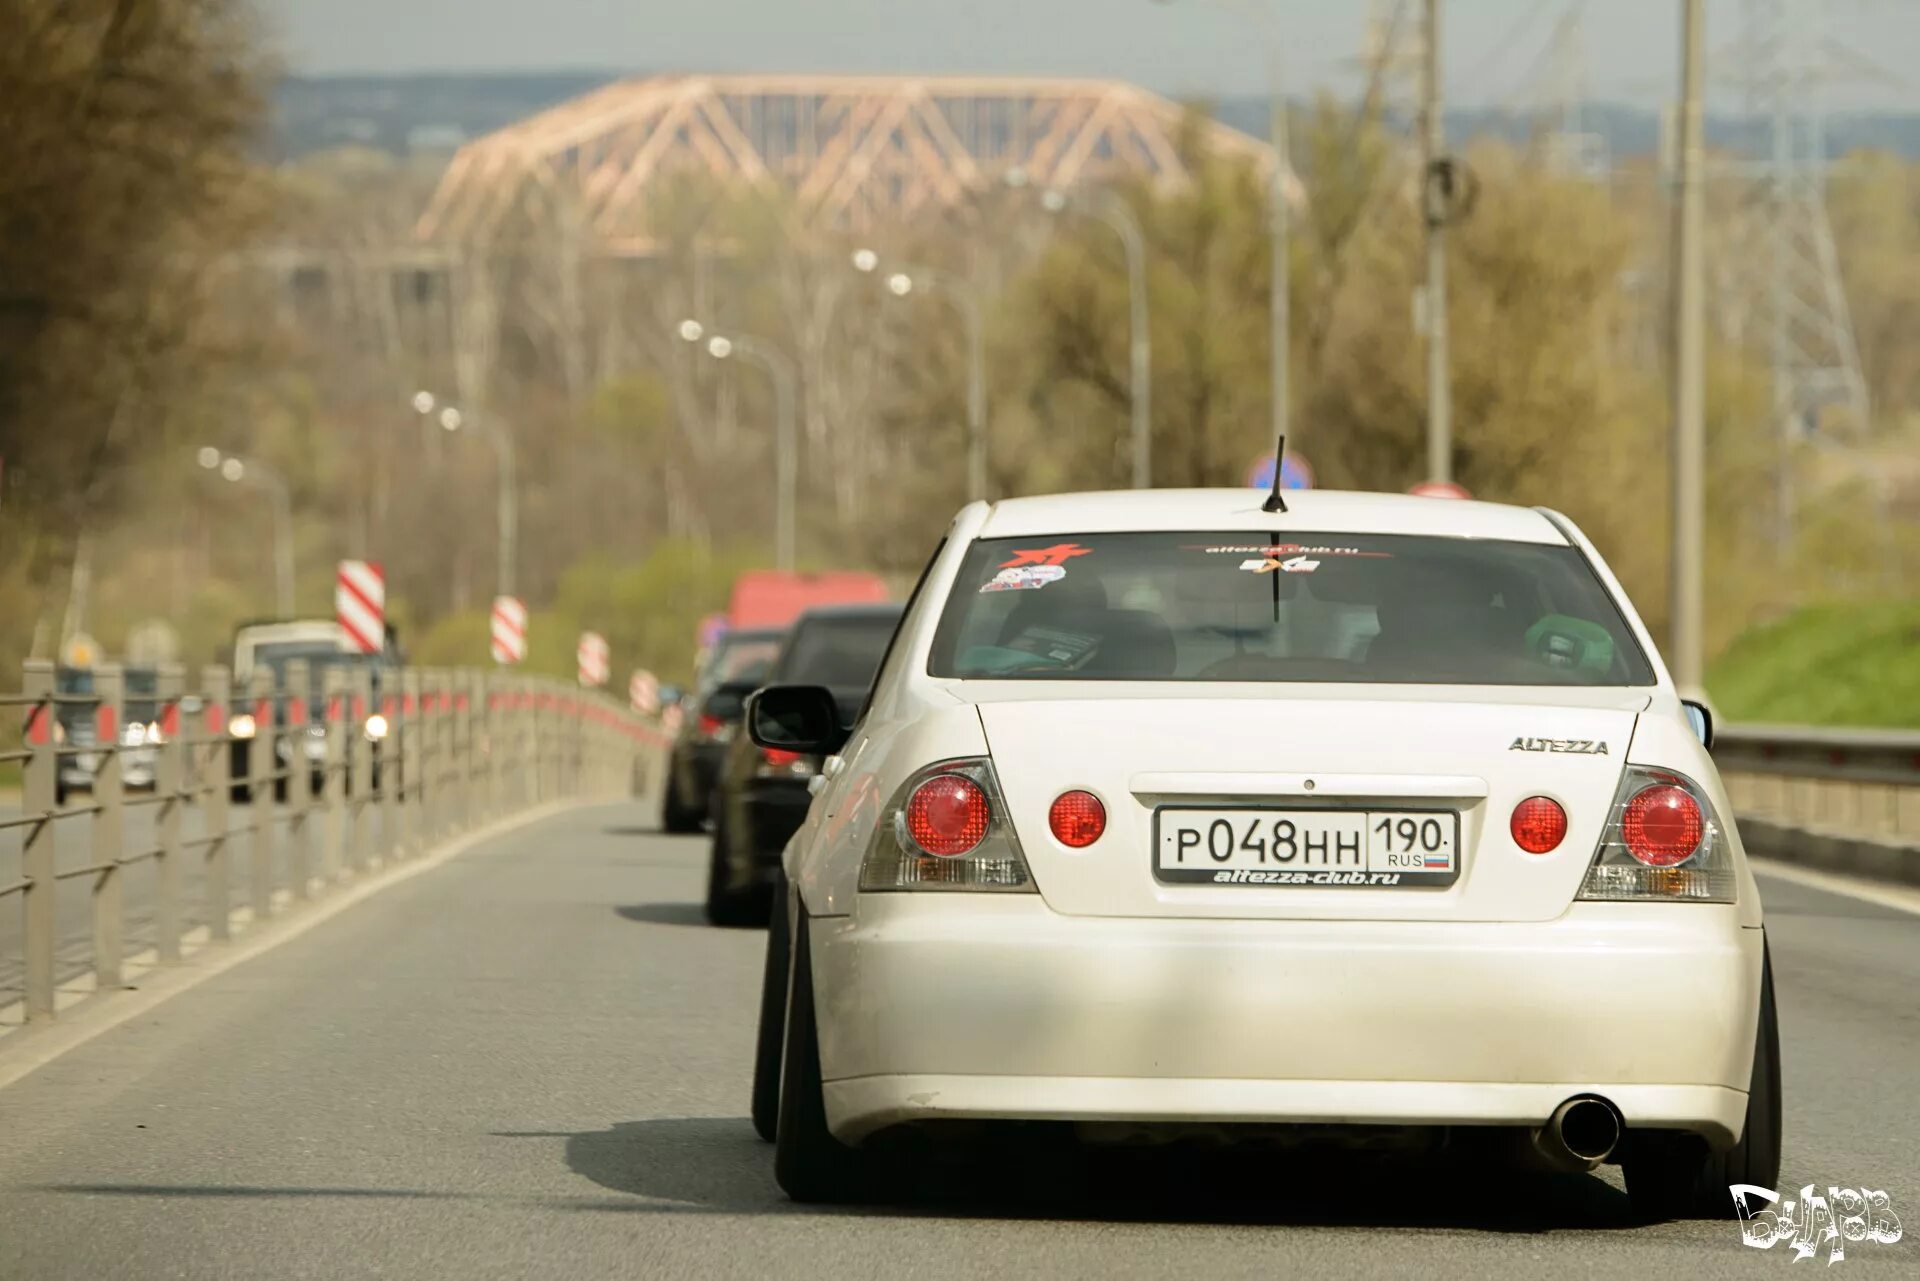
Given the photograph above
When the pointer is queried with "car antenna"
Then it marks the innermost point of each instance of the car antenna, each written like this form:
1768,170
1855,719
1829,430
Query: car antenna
1275,503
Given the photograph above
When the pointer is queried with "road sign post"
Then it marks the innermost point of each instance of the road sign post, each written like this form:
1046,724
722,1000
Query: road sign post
360,604
593,658
509,626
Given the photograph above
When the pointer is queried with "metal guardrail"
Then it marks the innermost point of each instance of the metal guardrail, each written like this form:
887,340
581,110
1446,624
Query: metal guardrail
1859,782
460,748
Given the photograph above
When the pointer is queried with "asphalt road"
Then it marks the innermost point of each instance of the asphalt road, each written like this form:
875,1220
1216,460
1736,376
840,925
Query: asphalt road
533,1061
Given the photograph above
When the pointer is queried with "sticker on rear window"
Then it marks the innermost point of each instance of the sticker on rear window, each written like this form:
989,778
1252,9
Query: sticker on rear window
1058,554
1024,578
1291,565
1279,550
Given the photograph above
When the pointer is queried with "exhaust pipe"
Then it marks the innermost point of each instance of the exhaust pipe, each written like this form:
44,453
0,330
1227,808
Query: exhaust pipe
1581,1133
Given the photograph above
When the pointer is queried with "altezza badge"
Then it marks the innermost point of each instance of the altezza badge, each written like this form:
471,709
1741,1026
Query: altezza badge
1578,746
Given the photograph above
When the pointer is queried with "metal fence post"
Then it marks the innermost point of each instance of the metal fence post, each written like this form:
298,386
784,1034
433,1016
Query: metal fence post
263,760
109,828
341,726
216,769
486,696
299,709
364,807
467,717
394,771
170,789
40,920
434,818
416,763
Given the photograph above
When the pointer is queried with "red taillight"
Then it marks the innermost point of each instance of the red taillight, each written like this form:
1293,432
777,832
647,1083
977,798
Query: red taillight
1538,824
947,815
1662,825
778,756
1077,819
710,725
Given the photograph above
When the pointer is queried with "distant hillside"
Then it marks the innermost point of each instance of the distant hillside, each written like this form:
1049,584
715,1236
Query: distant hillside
434,113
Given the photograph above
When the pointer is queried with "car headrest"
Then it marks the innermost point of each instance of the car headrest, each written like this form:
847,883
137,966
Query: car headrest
1135,644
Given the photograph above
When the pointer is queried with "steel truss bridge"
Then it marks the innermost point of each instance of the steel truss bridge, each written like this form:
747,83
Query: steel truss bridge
856,152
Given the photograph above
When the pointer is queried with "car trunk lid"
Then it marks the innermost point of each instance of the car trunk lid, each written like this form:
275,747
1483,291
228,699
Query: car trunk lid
1157,748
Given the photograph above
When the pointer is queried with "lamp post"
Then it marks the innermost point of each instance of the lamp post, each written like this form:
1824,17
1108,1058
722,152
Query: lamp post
900,283
506,500
1689,308
1279,212
1116,213
786,461
241,471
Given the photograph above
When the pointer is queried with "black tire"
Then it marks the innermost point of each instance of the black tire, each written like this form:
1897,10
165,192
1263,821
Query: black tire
726,907
773,1017
809,1164
1676,1176
677,819
59,795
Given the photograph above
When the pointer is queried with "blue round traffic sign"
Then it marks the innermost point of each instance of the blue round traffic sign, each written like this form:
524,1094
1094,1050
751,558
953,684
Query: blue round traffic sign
1294,473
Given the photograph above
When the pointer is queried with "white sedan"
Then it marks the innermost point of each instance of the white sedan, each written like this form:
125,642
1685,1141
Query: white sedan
1167,812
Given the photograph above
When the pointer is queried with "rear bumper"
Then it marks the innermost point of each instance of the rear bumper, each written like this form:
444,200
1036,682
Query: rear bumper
869,1104
994,1006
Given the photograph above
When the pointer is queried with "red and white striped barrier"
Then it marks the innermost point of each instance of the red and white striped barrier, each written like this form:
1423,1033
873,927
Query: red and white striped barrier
360,604
509,630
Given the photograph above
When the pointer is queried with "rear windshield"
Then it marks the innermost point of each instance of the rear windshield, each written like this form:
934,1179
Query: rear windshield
840,653
737,657
1304,607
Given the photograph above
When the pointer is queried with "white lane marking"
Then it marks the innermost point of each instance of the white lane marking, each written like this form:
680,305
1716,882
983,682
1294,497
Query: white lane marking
1899,897
28,1050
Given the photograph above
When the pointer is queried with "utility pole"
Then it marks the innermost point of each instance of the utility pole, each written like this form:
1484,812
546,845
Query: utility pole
1689,398
1437,205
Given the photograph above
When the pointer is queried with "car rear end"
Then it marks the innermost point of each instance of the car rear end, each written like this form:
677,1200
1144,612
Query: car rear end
738,660
1330,827
766,791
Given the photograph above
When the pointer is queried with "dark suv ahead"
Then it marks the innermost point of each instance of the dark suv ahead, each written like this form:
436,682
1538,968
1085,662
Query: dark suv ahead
762,795
732,671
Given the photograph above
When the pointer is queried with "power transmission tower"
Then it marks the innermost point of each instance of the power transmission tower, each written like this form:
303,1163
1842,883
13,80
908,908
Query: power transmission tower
1816,362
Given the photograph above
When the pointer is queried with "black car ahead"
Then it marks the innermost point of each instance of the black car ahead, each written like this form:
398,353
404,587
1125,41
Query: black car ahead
713,715
762,794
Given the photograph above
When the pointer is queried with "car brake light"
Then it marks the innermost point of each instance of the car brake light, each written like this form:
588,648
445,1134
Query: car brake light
1538,824
1077,819
947,815
778,756
710,725
1662,825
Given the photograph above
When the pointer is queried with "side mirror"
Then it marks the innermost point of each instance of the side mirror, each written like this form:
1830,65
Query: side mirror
796,718
1701,719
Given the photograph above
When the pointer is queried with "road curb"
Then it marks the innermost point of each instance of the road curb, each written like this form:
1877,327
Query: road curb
26,1050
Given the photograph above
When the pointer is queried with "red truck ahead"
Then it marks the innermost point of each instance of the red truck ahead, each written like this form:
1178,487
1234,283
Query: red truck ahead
774,598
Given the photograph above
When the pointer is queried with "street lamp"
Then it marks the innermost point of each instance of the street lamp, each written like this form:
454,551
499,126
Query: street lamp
1117,214
1279,212
506,505
786,462
900,283
237,470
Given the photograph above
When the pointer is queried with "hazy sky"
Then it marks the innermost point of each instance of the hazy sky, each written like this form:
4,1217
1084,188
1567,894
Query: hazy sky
1493,48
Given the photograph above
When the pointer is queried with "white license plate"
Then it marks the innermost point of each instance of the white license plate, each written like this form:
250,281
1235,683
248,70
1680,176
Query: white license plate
1335,848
